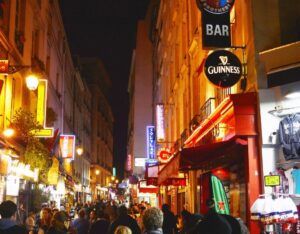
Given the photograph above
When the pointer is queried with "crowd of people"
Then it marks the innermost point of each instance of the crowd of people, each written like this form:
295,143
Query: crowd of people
112,218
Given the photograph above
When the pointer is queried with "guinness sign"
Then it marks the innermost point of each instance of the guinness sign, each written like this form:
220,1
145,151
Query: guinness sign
223,68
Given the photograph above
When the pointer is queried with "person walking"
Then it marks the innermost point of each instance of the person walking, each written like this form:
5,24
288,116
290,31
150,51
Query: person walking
153,221
101,225
45,220
60,224
169,223
126,220
8,224
30,222
123,230
81,224
213,223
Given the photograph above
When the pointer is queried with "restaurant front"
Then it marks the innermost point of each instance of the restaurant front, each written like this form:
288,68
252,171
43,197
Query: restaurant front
224,147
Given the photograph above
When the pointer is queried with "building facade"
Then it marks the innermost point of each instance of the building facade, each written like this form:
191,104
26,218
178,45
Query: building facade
33,40
99,83
140,90
202,121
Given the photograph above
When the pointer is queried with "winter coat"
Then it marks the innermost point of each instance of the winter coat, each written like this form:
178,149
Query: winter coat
213,223
169,223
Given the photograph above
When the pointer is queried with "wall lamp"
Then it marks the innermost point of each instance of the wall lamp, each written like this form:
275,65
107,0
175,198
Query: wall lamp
32,80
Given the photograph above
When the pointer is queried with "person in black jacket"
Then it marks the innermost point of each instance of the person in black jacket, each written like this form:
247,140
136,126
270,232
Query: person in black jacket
169,223
213,223
126,220
8,224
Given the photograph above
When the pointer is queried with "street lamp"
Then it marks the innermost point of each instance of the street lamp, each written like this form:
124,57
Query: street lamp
32,82
9,132
79,151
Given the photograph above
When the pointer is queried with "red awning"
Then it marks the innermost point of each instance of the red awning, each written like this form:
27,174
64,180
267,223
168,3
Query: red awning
203,155
238,111
144,188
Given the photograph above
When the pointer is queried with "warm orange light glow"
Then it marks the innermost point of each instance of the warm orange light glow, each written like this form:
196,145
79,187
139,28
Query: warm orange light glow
9,132
32,82
79,151
97,172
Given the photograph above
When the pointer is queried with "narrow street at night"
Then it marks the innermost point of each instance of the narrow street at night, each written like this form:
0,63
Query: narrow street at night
149,117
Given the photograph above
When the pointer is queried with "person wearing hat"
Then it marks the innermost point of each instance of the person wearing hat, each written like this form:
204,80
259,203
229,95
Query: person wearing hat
8,224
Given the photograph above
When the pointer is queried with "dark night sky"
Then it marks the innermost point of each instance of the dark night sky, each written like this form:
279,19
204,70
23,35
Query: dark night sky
107,29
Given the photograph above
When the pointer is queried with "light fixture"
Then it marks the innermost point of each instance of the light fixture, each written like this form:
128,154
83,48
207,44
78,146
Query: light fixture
32,82
112,178
79,151
293,95
9,132
97,172
117,181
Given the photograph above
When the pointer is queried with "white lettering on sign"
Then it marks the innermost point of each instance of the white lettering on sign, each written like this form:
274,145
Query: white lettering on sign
217,30
223,69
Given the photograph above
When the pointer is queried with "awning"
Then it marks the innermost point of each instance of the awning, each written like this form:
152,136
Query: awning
144,188
237,112
169,174
211,154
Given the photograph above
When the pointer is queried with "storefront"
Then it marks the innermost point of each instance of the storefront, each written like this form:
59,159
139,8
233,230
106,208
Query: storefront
225,145
280,121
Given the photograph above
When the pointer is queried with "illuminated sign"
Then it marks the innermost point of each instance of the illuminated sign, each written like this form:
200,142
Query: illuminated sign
129,162
215,6
160,130
12,185
151,142
3,66
272,180
22,170
41,110
140,162
223,68
114,171
67,146
164,155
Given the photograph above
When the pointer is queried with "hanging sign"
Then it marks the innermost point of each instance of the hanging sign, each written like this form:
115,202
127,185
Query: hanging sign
216,30
67,146
223,68
151,142
160,130
215,22
3,66
272,180
215,6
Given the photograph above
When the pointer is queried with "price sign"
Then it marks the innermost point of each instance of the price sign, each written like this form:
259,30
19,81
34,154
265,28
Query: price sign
272,180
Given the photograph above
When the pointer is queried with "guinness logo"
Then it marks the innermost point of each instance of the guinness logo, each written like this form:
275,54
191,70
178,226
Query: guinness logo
223,59
215,6
223,68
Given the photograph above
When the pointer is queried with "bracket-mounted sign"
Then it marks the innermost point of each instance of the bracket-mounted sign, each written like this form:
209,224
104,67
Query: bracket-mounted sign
215,23
223,68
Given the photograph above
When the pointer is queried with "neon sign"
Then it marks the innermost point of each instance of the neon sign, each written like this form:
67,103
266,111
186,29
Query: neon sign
67,146
160,131
151,142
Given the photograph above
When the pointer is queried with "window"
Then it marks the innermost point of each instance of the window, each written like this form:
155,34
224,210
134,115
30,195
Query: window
20,25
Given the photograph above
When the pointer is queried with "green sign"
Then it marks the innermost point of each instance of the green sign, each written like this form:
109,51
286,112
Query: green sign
272,180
